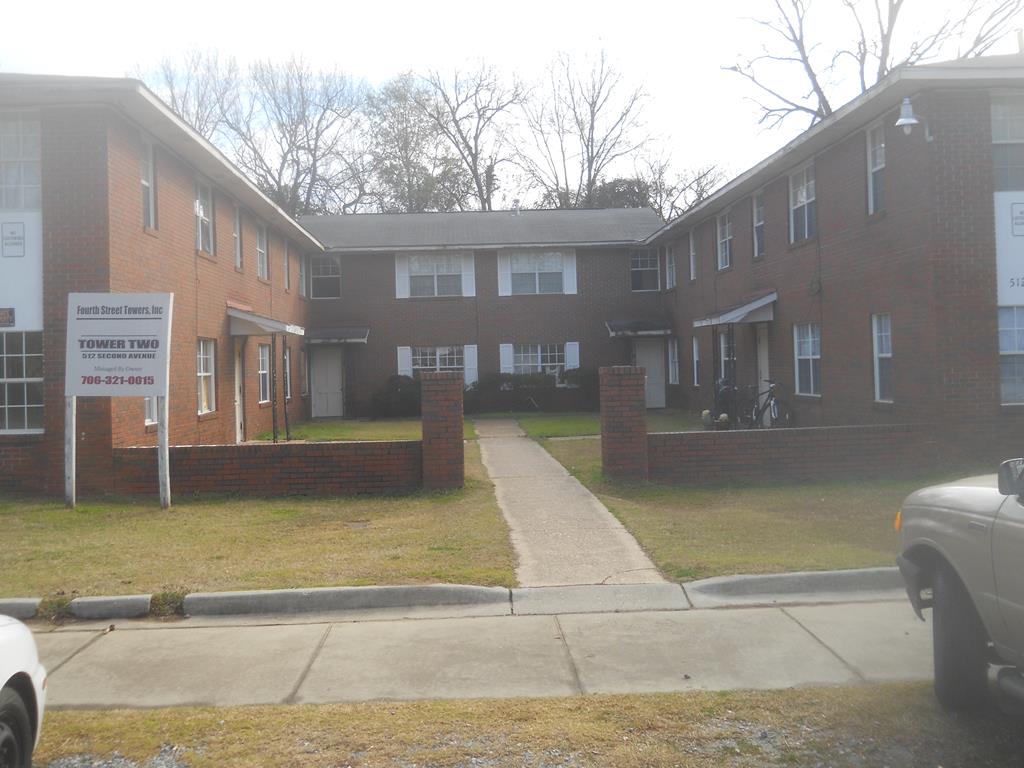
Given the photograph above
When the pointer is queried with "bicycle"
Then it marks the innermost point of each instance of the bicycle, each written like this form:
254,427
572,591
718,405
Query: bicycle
751,414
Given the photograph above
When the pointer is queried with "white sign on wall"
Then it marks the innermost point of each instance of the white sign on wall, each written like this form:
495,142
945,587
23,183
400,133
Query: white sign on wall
118,344
21,268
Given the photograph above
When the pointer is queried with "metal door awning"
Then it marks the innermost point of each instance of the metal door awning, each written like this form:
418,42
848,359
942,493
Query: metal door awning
760,310
344,334
245,323
631,329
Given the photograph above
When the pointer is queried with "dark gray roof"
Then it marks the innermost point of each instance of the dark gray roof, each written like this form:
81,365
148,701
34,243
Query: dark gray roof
410,231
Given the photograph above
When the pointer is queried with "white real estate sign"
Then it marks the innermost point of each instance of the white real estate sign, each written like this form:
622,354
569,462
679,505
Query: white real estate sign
118,345
1009,210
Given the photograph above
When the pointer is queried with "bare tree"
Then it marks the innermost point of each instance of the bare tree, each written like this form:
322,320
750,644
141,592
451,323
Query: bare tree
471,111
876,46
576,126
670,193
298,134
416,168
195,87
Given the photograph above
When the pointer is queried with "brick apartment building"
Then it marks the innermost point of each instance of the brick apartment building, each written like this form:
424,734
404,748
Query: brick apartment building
483,292
106,190
875,274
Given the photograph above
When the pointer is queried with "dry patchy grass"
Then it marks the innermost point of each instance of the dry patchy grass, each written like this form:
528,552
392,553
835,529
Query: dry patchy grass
895,725
694,533
130,546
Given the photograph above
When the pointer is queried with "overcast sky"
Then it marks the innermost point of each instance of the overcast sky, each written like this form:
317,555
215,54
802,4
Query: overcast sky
675,50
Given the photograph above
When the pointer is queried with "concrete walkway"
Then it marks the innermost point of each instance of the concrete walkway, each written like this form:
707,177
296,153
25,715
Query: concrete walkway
478,651
562,534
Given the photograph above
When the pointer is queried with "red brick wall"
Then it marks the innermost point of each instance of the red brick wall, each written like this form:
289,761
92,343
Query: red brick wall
318,469
165,258
623,423
75,243
487,320
443,443
813,453
927,260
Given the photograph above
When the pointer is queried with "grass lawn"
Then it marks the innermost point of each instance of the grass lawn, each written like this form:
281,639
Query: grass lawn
540,425
693,533
126,547
326,430
876,725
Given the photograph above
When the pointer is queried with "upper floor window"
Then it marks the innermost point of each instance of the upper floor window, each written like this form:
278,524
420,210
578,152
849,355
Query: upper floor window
881,327
758,218
802,206
724,240
435,275
670,266
303,276
204,218
262,255
537,272
876,169
325,277
644,274
236,236
205,375
693,255
807,352
1008,143
20,171
287,267
148,178
437,359
21,381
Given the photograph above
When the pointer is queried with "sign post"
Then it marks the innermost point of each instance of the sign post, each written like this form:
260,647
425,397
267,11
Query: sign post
118,345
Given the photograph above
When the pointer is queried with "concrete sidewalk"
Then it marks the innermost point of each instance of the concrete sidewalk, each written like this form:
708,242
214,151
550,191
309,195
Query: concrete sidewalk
561,533
446,652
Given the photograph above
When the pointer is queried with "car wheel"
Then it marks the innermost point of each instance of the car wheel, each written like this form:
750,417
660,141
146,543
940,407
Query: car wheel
959,645
15,731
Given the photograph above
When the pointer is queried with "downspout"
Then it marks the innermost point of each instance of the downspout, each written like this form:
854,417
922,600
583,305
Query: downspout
273,383
288,373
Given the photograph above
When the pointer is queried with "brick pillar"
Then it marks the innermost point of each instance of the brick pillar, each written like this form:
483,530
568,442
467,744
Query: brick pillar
623,422
443,449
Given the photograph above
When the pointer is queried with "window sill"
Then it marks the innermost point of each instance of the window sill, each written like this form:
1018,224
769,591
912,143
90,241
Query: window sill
208,416
1013,406
436,298
264,280
883,405
208,256
152,232
645,290
808,397
240,270
21,433
322,298
720,270
265,404
876,216
151,427
800,244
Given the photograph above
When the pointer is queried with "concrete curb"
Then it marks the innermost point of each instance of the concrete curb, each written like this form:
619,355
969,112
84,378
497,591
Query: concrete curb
20,607
116,607
325,599
857,585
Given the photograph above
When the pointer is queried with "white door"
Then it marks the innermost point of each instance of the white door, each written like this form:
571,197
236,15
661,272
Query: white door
239,392
651,355
328,382
763,372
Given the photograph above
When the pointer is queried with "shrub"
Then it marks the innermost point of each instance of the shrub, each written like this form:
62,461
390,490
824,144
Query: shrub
400,396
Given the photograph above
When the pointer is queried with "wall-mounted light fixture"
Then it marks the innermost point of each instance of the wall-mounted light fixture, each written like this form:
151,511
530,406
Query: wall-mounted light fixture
907,119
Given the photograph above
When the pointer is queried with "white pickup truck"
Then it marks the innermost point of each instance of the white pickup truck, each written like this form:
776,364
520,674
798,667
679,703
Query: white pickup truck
963,556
